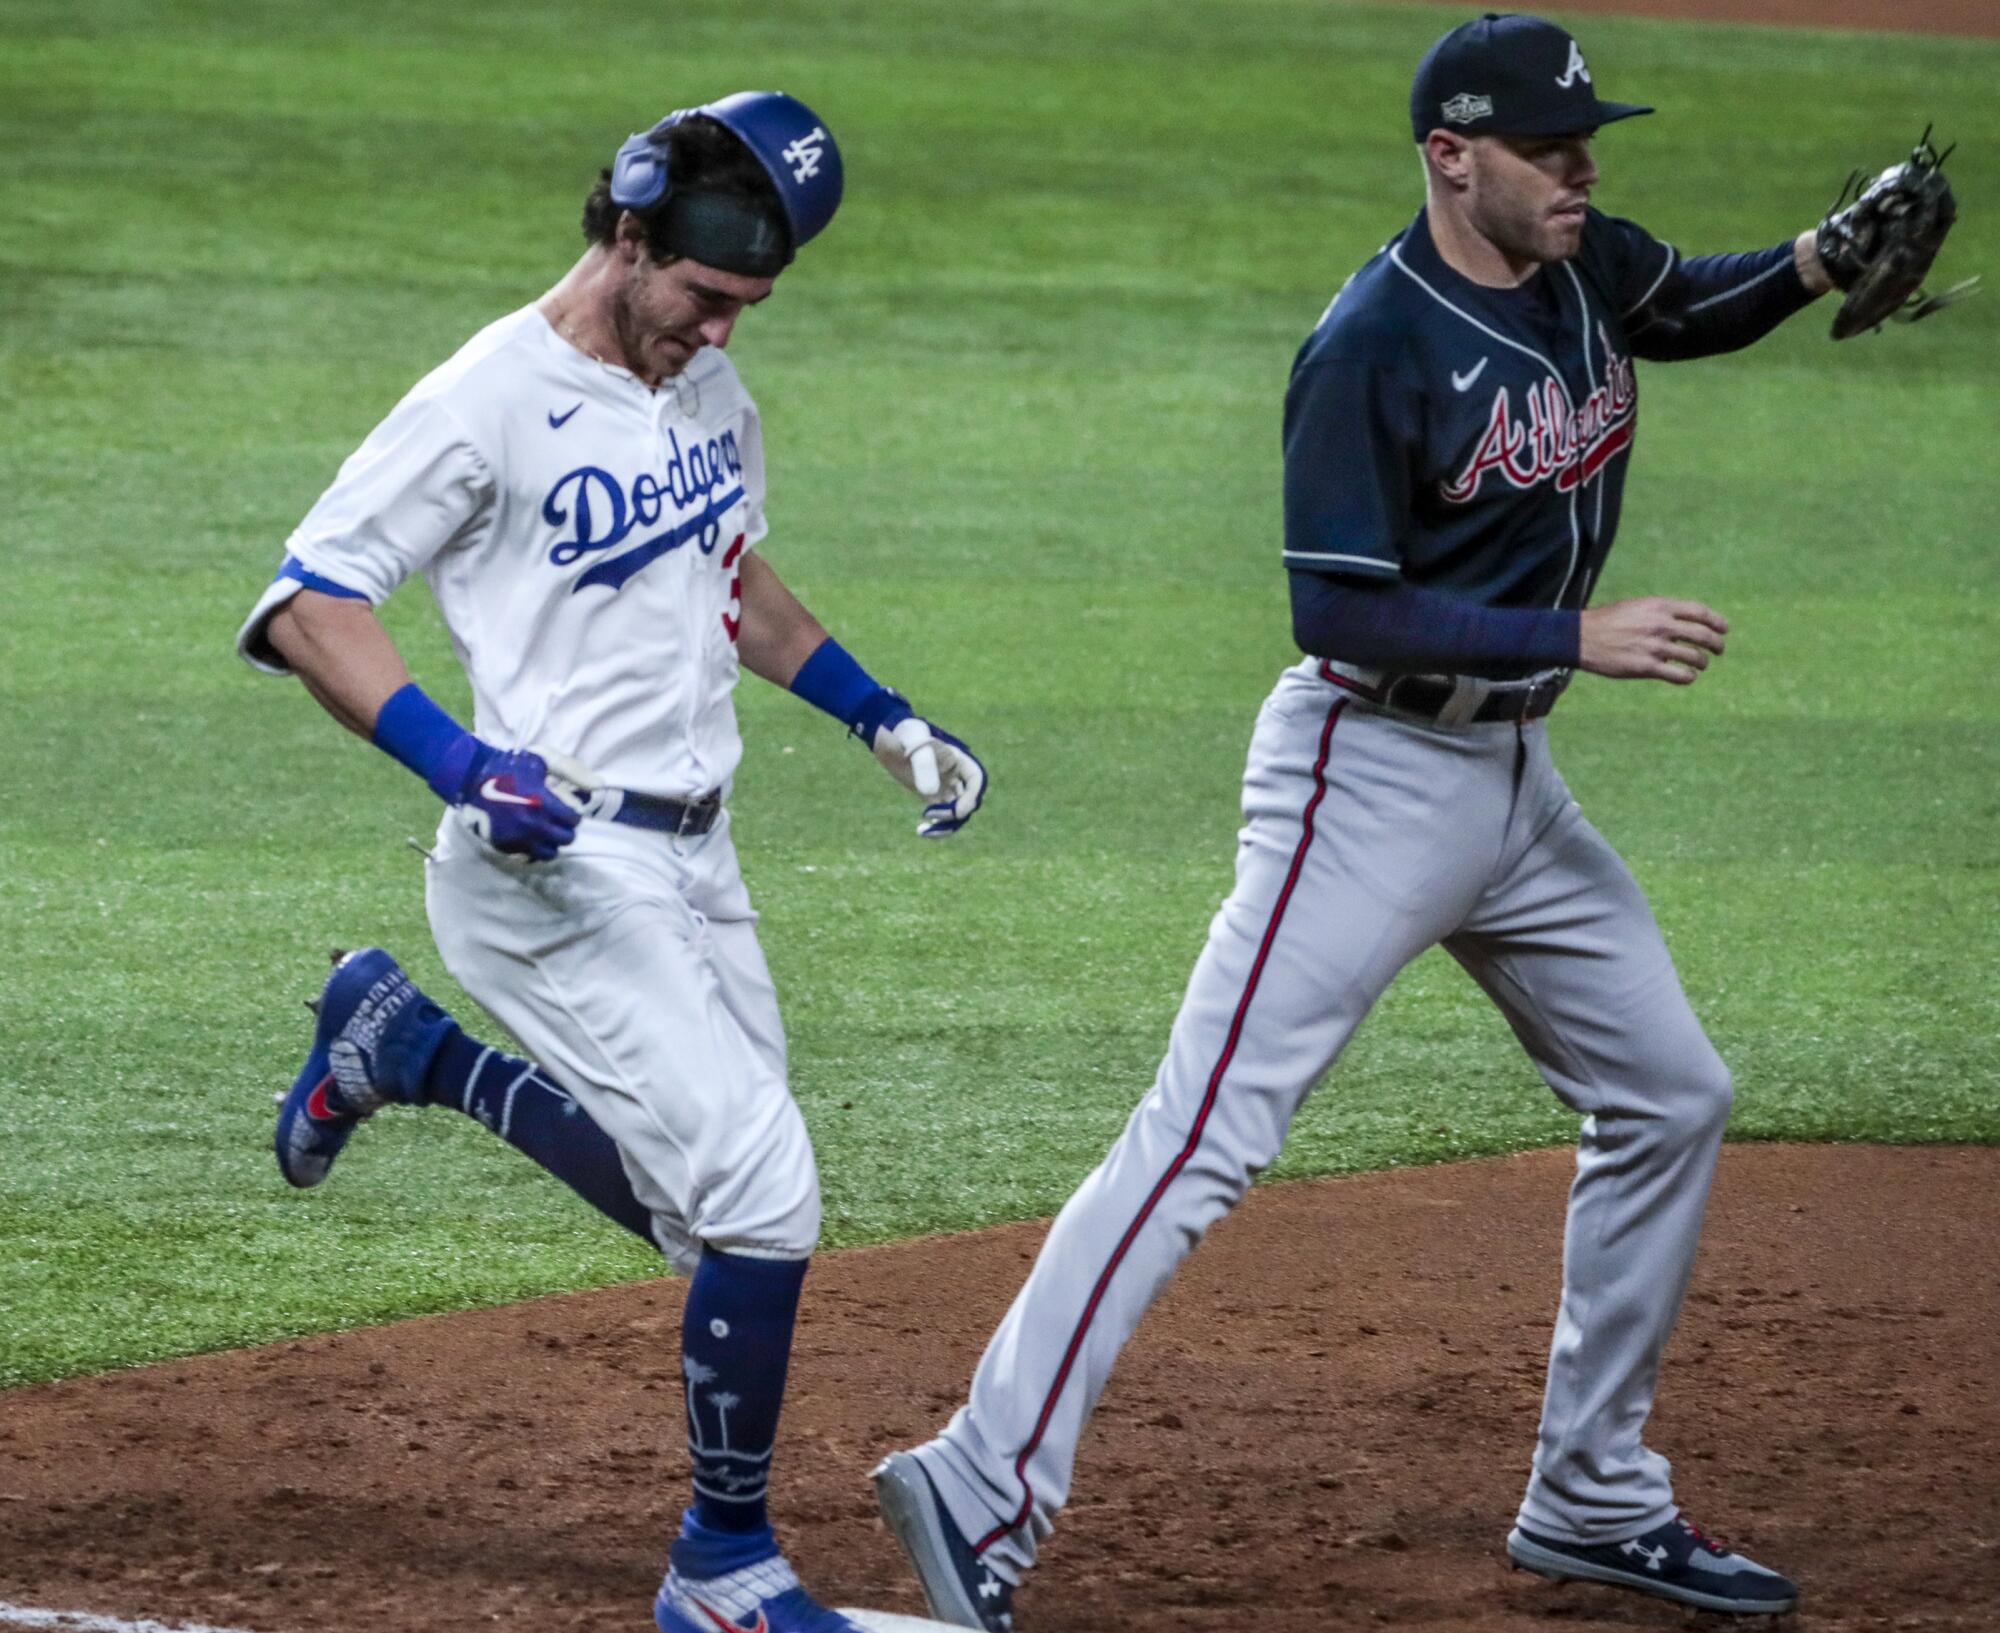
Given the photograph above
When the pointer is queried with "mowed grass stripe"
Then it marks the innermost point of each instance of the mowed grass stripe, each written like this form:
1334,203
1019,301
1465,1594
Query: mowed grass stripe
1022,408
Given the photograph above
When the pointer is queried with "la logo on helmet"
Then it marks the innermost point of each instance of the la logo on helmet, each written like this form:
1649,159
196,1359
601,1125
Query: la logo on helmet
1576,70
804,154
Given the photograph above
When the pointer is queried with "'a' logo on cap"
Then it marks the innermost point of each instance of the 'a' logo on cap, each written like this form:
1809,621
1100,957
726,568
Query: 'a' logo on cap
1464,108
1576,70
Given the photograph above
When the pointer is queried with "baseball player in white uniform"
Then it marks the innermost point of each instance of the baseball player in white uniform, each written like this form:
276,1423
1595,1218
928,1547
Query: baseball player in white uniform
583,487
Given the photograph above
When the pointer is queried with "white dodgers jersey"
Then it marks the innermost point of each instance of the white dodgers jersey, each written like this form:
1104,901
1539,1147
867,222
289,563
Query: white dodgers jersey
582,534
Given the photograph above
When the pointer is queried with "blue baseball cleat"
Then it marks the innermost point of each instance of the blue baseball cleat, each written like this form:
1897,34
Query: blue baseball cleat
959,1587
376,1034
720,1582
1672,1561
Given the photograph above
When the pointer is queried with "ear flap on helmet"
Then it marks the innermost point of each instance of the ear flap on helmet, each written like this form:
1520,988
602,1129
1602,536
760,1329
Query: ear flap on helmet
639,177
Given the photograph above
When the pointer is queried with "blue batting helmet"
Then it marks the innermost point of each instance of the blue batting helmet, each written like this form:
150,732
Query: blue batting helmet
790,141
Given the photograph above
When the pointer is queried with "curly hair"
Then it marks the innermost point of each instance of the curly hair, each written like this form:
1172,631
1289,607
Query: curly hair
701,155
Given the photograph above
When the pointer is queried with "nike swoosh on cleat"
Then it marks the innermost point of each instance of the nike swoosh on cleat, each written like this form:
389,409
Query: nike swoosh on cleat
1465,382
760,1625
558,421
491,789
316,1107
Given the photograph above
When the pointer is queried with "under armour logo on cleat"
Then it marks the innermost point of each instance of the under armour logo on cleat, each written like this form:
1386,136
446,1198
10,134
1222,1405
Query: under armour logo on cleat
1654,1557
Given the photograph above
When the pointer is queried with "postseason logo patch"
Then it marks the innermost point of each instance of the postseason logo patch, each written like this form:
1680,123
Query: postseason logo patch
1464,108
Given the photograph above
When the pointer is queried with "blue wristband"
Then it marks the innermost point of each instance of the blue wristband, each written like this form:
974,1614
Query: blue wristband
413,729
831,680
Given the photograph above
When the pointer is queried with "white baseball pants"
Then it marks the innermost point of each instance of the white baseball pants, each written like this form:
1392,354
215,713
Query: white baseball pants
629,969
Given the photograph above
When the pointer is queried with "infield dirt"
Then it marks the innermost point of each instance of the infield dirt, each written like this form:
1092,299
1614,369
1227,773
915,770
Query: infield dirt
1325,1423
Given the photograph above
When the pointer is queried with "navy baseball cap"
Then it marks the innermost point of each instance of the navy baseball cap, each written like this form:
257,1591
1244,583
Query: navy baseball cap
1508,75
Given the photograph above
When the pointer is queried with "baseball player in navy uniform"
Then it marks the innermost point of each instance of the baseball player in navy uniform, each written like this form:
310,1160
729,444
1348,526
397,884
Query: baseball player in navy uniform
582,486
1457,433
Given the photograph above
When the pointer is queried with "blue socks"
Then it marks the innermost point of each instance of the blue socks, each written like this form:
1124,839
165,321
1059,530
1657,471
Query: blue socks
736,1330
736,1347
514,1099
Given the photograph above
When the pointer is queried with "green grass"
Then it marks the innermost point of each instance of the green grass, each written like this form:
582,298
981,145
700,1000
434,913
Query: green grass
1021,405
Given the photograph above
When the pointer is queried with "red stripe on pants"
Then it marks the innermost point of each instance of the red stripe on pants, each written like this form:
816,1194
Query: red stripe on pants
1187,1150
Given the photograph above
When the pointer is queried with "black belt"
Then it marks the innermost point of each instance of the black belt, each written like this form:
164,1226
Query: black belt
669,816
1426,697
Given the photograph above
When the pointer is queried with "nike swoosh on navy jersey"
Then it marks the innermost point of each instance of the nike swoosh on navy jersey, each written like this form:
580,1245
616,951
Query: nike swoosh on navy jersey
1463,382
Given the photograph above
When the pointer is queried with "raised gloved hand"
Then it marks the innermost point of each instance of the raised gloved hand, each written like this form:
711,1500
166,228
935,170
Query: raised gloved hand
514,803
926,759
1878,242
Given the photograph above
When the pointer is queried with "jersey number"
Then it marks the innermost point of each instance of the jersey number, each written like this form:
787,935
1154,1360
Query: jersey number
732,620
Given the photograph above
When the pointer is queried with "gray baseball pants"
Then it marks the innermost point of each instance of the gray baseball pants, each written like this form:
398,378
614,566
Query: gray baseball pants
1366,840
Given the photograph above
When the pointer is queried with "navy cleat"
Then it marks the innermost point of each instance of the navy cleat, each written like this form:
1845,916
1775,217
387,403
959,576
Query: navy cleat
375,1036
721,1582
1672,1561
960,1587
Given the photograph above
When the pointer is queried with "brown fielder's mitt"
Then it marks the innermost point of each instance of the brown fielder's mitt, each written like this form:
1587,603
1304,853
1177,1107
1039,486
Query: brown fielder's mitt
1880,238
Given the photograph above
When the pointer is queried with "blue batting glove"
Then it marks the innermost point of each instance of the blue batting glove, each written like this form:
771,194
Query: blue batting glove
509,804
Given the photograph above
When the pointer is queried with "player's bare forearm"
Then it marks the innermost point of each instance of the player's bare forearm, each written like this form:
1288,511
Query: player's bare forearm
1650,638
778,634
339,648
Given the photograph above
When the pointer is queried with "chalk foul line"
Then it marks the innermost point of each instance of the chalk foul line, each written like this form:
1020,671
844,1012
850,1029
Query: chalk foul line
77,1621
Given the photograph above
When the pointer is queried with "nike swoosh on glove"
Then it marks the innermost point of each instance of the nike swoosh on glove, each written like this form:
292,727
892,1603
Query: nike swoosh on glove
508,802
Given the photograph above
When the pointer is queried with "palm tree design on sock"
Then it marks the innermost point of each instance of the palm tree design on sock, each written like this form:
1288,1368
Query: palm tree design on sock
720,1471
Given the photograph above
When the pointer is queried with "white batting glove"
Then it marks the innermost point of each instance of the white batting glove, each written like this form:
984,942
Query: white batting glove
569,779
935,766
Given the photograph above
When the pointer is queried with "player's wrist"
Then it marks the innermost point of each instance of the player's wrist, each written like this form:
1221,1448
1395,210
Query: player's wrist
414,731
1812,268
885,709
832,681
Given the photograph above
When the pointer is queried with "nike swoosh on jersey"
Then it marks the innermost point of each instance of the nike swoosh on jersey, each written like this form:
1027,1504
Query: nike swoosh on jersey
558,421
1459,382
491,789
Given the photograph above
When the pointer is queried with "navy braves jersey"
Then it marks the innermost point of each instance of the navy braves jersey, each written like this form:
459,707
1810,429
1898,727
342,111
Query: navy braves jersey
1476,440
